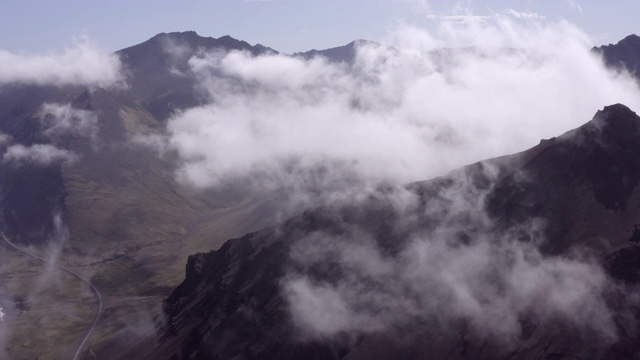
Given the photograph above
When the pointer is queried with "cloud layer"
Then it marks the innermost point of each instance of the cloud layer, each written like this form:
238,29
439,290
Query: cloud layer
439,100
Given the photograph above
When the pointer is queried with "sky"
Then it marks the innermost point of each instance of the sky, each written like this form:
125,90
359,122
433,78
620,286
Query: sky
288,26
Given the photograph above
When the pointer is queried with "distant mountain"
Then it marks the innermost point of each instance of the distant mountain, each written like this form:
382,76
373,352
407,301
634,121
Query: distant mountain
624,54
346,53
156,64
582,184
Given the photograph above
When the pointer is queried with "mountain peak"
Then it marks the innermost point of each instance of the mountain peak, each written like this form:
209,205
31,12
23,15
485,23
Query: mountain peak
345,53
194,39
617,109
360,42
631,39
617,118
625,54
177,34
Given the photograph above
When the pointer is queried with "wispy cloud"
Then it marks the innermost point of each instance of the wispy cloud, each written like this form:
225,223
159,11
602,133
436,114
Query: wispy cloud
40,154
524,14
63,119
575,5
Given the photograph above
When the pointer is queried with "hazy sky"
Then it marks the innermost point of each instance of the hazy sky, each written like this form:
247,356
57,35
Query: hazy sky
286,25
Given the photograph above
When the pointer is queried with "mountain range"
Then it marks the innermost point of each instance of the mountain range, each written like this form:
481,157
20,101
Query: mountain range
300,284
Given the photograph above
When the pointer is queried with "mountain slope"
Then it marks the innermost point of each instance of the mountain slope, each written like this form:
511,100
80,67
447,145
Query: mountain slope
236,302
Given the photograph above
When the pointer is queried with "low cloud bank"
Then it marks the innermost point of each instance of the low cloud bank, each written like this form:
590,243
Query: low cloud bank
437,101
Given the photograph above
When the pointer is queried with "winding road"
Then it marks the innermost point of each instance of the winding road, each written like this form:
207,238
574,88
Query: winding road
95,291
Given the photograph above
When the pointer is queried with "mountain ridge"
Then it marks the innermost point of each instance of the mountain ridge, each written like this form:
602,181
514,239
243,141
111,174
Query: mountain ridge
244,276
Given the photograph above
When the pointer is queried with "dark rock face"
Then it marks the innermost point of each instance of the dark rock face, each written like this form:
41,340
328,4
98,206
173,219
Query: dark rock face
614,167
34,193
599,157
625,54
225,316
583,184
624,264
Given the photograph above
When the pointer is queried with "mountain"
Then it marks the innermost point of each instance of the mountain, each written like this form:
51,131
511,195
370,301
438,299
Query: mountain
110,208
581,185
623,55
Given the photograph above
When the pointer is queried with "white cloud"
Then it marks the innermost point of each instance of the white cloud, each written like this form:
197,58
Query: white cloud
62,119
83,64
40,154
